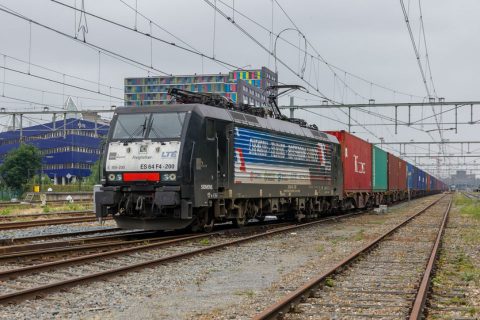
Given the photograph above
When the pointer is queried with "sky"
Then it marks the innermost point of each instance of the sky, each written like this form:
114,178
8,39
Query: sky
365,39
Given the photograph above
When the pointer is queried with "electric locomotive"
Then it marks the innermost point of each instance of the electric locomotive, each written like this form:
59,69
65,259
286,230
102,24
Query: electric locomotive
183,166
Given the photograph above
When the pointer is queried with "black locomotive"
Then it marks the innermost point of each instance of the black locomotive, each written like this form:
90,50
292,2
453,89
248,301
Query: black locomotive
190,165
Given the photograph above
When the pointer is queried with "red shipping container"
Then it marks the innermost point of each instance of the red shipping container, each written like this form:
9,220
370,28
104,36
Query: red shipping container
402,174
393,172
357,162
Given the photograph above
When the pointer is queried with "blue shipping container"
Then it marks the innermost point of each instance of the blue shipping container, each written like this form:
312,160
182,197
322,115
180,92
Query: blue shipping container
422,179
410,176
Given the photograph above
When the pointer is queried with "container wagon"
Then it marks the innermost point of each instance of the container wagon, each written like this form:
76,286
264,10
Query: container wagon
380,190
356,155
397,178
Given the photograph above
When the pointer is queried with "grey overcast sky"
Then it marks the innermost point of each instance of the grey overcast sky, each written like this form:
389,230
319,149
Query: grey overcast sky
366,38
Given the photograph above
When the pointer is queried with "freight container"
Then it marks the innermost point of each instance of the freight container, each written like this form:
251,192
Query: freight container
357,162
393,172
379,169
420,179
397,173
413,177
402,174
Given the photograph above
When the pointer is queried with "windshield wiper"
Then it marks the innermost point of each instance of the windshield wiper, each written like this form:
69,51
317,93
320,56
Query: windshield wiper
136,132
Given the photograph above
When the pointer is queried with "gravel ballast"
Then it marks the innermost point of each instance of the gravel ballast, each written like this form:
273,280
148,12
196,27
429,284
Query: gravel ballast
234,283
456,284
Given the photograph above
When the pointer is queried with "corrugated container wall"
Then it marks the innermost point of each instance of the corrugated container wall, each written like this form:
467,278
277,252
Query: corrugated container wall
402,174
357,162
393,172
420,179
379,169
423,180
410,176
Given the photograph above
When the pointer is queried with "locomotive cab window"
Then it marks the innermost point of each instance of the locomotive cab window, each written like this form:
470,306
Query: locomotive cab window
131,126
166,125
210,129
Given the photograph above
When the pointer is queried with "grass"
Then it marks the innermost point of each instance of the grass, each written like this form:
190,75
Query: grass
461,200
465,268
5,211
329,282
204,242
247,293
458,301
359,235
320,248
468,207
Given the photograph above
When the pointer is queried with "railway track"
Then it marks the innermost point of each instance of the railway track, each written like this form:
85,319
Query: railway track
40,215
37,248
47,222
388,278
34,278
51,236
4,204
471,196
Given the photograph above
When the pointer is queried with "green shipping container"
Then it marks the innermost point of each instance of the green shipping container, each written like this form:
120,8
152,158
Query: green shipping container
379,169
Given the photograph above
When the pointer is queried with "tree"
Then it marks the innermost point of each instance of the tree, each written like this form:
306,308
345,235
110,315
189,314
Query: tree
20,165
94,177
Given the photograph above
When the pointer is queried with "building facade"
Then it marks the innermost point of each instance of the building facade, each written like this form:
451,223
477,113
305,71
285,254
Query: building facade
241,86
69,147
463,181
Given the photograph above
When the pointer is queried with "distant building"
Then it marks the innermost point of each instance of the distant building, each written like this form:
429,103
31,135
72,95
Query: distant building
241,86
69,147
462,180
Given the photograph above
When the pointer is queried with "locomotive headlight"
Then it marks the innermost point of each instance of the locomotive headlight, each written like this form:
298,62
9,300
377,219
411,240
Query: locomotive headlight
111,177
169,177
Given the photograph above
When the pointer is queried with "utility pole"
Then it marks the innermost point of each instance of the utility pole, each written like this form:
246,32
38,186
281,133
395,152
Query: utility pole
292,110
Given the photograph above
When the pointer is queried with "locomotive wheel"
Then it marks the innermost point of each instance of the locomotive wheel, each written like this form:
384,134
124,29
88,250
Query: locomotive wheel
209,227
241,218
239,222
203,222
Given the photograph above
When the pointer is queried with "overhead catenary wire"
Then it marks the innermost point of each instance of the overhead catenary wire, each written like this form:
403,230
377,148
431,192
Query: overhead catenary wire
60,73
95,47
58,82
323,96
52,92
156,24
316,57
60,107
427,56
419,62
146,34
320,94
344,95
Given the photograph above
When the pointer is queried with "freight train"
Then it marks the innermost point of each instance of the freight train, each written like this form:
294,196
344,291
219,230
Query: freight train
183,166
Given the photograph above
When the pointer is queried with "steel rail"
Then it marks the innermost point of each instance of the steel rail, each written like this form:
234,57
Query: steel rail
33,215
16,248
38,291
11,241
40,249
31,203
287,303
421,298
46,222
